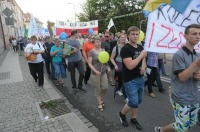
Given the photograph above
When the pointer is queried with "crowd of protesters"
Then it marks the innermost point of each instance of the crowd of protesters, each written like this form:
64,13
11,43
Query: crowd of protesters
129,62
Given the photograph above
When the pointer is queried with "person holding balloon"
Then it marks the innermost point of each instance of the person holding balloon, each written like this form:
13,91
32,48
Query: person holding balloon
97,59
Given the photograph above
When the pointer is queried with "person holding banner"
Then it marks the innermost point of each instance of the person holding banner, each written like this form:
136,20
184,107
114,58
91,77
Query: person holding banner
184,90
134,64
75,60
98,72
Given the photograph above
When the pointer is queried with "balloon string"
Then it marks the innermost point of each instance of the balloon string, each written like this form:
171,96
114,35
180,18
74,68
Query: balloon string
101,71
101,67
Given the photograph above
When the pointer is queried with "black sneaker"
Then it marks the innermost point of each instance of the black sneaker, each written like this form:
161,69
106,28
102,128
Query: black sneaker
82,90
85,81
136,124
53,78
123,119
157,129
161,90
154,85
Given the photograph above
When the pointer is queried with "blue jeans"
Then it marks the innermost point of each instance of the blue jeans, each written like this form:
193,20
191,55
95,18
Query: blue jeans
134,91
161,66
59,70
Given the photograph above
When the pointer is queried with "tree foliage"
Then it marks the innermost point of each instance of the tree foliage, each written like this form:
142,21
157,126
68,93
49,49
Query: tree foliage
103,10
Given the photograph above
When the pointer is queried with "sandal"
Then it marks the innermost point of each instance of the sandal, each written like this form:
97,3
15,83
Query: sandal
102,103
100,107
63,85
112,84
57,83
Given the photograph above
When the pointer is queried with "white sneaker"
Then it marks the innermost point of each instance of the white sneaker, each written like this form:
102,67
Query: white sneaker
119,93
126,101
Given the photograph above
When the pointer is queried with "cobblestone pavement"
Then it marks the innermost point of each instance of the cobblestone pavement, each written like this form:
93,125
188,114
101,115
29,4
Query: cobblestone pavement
18,111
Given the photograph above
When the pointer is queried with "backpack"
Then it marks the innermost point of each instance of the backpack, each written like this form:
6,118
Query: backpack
116,52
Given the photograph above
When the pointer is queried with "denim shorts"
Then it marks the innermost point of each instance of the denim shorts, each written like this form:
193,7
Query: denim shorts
134,90
185,115
59,70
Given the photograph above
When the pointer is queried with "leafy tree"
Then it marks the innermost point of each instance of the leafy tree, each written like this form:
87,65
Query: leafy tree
103,10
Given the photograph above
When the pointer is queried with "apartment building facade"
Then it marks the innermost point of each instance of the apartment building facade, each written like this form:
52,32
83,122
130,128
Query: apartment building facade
11,22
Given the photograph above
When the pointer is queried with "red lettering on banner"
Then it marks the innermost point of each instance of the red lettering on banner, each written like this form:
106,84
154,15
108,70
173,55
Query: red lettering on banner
180,41
152,32
173,39
158,45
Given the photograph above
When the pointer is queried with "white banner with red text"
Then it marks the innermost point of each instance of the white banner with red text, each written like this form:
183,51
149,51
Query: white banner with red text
82,27
166,26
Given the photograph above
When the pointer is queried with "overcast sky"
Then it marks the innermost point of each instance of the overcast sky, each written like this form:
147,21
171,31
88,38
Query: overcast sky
51,9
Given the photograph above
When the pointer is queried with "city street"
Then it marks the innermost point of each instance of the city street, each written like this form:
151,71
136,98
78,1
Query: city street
36,94
153,111
20,94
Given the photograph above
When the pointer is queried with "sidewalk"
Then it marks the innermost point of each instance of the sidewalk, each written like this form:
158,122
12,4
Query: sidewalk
20,97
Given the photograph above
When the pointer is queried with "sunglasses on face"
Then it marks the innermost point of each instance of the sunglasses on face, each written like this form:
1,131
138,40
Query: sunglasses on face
107,36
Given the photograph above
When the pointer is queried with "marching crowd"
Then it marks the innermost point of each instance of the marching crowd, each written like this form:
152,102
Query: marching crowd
130,62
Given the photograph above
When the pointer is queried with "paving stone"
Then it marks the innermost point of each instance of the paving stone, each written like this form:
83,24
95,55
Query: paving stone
44,127
37,129
44,130
18,105
52,129
89,124
85,120
57,126
30,131
94,129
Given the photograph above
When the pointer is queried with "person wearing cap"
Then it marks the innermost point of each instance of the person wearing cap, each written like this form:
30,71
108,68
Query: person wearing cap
48,60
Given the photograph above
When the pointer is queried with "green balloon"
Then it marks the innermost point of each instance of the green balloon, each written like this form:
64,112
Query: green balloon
103,57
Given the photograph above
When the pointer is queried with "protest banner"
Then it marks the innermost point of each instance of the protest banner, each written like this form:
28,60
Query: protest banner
166,25
33,27
82,27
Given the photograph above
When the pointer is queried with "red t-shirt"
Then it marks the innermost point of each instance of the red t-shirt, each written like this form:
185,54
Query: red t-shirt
87,46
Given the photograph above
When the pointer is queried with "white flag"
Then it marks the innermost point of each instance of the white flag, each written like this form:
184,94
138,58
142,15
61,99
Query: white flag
33,28
111,23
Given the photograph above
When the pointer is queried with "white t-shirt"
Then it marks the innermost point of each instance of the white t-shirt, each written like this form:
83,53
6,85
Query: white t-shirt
14,42
35,47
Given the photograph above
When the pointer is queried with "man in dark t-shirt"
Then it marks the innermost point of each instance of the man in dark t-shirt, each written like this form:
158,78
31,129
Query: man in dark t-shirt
134,64
48,59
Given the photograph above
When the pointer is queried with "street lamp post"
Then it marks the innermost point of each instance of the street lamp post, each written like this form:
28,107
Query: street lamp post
74,11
